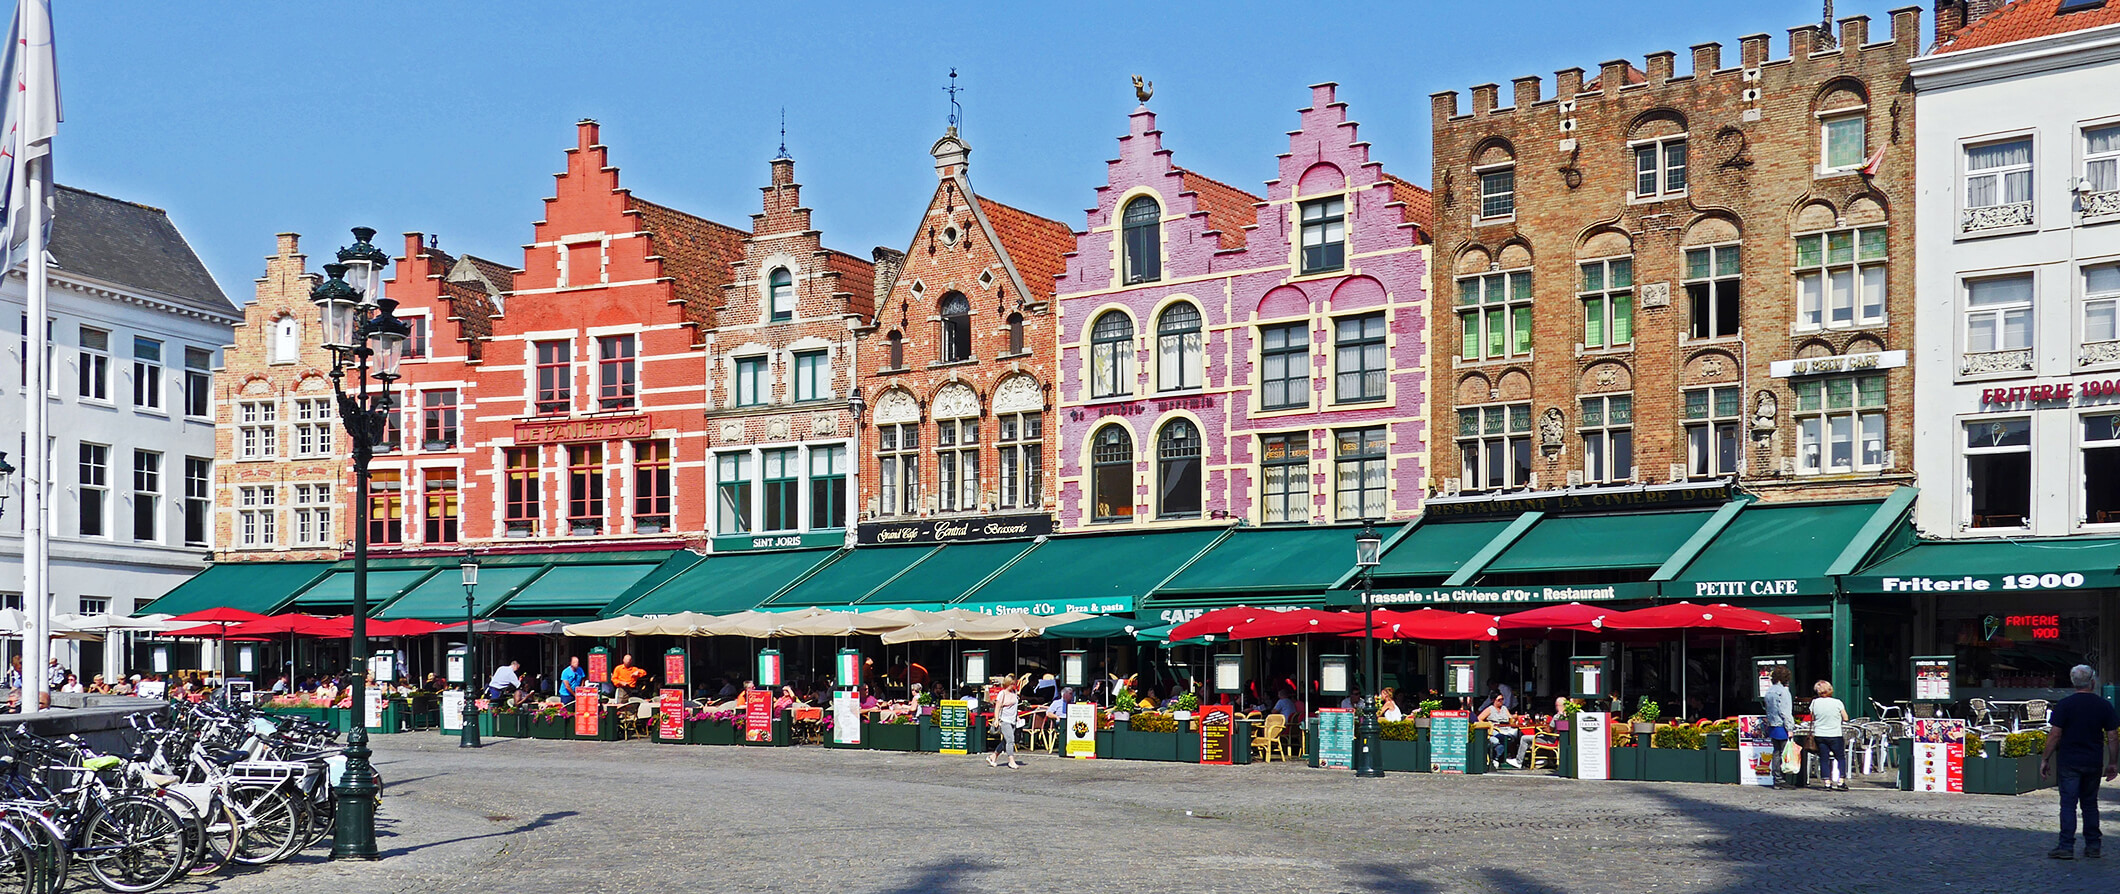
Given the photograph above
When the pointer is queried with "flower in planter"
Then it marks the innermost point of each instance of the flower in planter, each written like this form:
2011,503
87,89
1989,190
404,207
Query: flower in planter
1400,730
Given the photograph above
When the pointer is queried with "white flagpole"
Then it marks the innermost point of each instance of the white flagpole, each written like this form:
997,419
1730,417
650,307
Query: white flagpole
36,569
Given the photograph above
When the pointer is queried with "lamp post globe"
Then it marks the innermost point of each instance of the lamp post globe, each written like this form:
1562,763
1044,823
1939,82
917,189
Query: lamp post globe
1368,548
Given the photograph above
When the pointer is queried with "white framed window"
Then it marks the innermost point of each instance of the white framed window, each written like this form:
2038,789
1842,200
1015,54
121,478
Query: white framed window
2101,157
1494,444
312,515
257,519
1714,280
732,493
1839,424
957,464
780,294
198,383
1608,438
95,605
1361,473
2101,467
1497,191
1494,315
1998,185
898,461
1998,314
617,371
198,501
1840,278
1714,444
813,376
147,496
1284,478
1284,355
258,429
1607,294
1998,473
1660,168
1179,345
416,332
1324,235
1843,142
286,340
95,363
1361,370
95,490
147,373
2101,303
1022,455
312,427
1111,357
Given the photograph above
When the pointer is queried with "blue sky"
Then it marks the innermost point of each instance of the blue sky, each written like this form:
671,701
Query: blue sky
246,119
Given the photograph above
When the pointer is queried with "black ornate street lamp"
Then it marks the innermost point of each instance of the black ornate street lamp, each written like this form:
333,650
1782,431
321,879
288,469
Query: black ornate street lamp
366,338
1367,548
470,731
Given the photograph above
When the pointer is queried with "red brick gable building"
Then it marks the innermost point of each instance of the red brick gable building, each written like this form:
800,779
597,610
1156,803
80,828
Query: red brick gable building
957,364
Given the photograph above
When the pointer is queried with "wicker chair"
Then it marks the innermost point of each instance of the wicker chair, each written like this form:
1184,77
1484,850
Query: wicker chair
1267,741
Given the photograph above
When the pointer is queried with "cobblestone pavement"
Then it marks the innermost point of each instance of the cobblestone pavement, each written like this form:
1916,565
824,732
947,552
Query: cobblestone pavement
532,816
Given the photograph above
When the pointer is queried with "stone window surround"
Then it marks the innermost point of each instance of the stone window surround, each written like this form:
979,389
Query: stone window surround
2028,210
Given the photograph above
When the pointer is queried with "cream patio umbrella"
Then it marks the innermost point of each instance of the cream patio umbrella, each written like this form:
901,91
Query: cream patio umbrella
679,624
841,624
622,625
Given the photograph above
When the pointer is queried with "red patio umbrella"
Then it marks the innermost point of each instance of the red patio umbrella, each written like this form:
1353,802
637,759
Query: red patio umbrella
1433,624
1771,624
401,627
207,631
217,616
1295,623
1217,622
1574,617
1682,617
294,625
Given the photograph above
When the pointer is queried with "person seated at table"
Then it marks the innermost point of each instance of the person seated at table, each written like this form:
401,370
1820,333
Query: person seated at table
1056,710
1502,737
1146,698
786,700
1287,706
869,702
97,686
627,679
1388,705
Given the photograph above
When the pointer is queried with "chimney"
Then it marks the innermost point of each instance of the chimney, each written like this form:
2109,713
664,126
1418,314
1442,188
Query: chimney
1707,57
888,262
1953,16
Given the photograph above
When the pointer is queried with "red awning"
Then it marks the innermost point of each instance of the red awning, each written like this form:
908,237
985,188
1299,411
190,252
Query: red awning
1434,624
1296,622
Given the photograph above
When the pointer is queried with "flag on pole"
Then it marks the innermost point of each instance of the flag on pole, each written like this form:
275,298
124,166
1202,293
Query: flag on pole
29,118
1874,163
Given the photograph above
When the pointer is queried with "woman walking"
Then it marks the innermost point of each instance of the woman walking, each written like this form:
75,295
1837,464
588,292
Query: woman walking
1006,721
1827,715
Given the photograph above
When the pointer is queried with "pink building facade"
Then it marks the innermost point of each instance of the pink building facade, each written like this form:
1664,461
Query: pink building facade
1229,357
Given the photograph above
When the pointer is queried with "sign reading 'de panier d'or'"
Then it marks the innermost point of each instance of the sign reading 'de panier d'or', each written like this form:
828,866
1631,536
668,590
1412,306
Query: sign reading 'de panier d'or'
955,530
556,431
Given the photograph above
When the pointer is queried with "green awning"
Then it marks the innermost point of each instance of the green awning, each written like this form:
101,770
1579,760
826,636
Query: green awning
1569,543
574,589
679,562
1436,549
1103,627
250,586
1994,566
441,597
854,574
334,594
1268,561
1096,573
954,571
1773,549
723,584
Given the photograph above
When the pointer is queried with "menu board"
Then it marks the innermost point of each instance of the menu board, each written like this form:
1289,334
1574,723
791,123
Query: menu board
1074,669
953,717
674,667
1218,734
1933,676
453,710
1587,677
1763,668
1229,673
599,665
671,701
758,716
1939,755
1458,675
1335,738
588,712
373,716
1755,752
849,668
383,667
846,717
1448,734
1082,730
769,668
456,666
1593,742
1332,674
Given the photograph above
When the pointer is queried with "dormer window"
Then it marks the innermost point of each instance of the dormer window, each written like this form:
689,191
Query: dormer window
1324,235
1142,243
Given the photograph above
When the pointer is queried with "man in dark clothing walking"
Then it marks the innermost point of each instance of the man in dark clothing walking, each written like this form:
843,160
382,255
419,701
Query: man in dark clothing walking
2083,731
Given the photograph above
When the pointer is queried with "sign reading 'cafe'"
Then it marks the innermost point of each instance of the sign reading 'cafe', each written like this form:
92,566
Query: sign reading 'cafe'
955,530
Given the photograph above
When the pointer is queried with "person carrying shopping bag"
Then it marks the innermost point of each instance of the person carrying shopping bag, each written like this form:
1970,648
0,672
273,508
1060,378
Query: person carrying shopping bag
1006,721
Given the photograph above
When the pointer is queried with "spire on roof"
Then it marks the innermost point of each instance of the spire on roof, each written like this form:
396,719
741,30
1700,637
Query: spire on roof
956,110
783,134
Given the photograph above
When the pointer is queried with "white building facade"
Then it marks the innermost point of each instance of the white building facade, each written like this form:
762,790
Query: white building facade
2018,368
136,326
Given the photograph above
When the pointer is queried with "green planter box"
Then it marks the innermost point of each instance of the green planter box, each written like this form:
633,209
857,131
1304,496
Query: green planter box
1903,757
1993,774
1677,765
551,727
1403,756
607,728
1189,742
929,736
487,726
825,738
1107,743
509,726
890,736
1628,763
783,734
712,732
1127,744
393,720
1724,764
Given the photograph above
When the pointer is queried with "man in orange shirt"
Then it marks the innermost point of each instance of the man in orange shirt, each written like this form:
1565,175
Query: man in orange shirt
625,678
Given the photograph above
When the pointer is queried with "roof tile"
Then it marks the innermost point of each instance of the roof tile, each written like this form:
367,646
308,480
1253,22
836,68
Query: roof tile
697,255
1229,209
1036,245
2027,19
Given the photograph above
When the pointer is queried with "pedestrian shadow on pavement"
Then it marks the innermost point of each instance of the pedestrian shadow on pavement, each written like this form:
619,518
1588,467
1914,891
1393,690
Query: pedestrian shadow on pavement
532,825
939,878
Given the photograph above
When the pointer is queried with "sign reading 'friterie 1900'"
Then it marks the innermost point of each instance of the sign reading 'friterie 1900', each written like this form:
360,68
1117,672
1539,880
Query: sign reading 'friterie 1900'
605,429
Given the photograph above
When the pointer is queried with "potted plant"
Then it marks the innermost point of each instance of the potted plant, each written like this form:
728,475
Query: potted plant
1146,736
507,722
553,720
1675,754
1646,713
1422,711
1403,748
2008,767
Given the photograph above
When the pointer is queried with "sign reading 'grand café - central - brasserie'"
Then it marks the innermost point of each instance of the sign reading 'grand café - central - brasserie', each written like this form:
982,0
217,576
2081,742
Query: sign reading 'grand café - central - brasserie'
955,530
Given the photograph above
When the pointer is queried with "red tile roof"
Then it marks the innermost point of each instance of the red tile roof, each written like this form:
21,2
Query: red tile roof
1419,202
2027,19
697,254
501,275
1229,209
857,278
1634,76
1036,245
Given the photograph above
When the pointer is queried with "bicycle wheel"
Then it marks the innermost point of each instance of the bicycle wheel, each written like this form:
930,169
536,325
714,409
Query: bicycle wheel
271,827
52,857
133,844
223,828
18,859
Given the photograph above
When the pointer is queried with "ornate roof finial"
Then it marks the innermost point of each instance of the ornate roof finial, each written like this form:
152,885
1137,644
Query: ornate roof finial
1143,89
956,110
783,134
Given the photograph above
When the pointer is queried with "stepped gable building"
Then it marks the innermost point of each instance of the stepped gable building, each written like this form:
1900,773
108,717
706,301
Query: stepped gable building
957,367
1225,356
1663,278
780,368
276,429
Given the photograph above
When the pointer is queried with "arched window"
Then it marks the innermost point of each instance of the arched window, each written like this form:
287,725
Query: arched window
896,343
1178,470
780,289
1015,333
286,340
1111,355
956,328
1143,242
1178,348
1112,470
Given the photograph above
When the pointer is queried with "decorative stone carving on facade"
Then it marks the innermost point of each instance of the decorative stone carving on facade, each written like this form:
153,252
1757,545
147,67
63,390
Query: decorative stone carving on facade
2098,352
956,401
1551,427
2099,204
1995,217
1711,367
1018,394
897,407
1996,361
731,432
1765,408
777,428
1655,294
824,425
